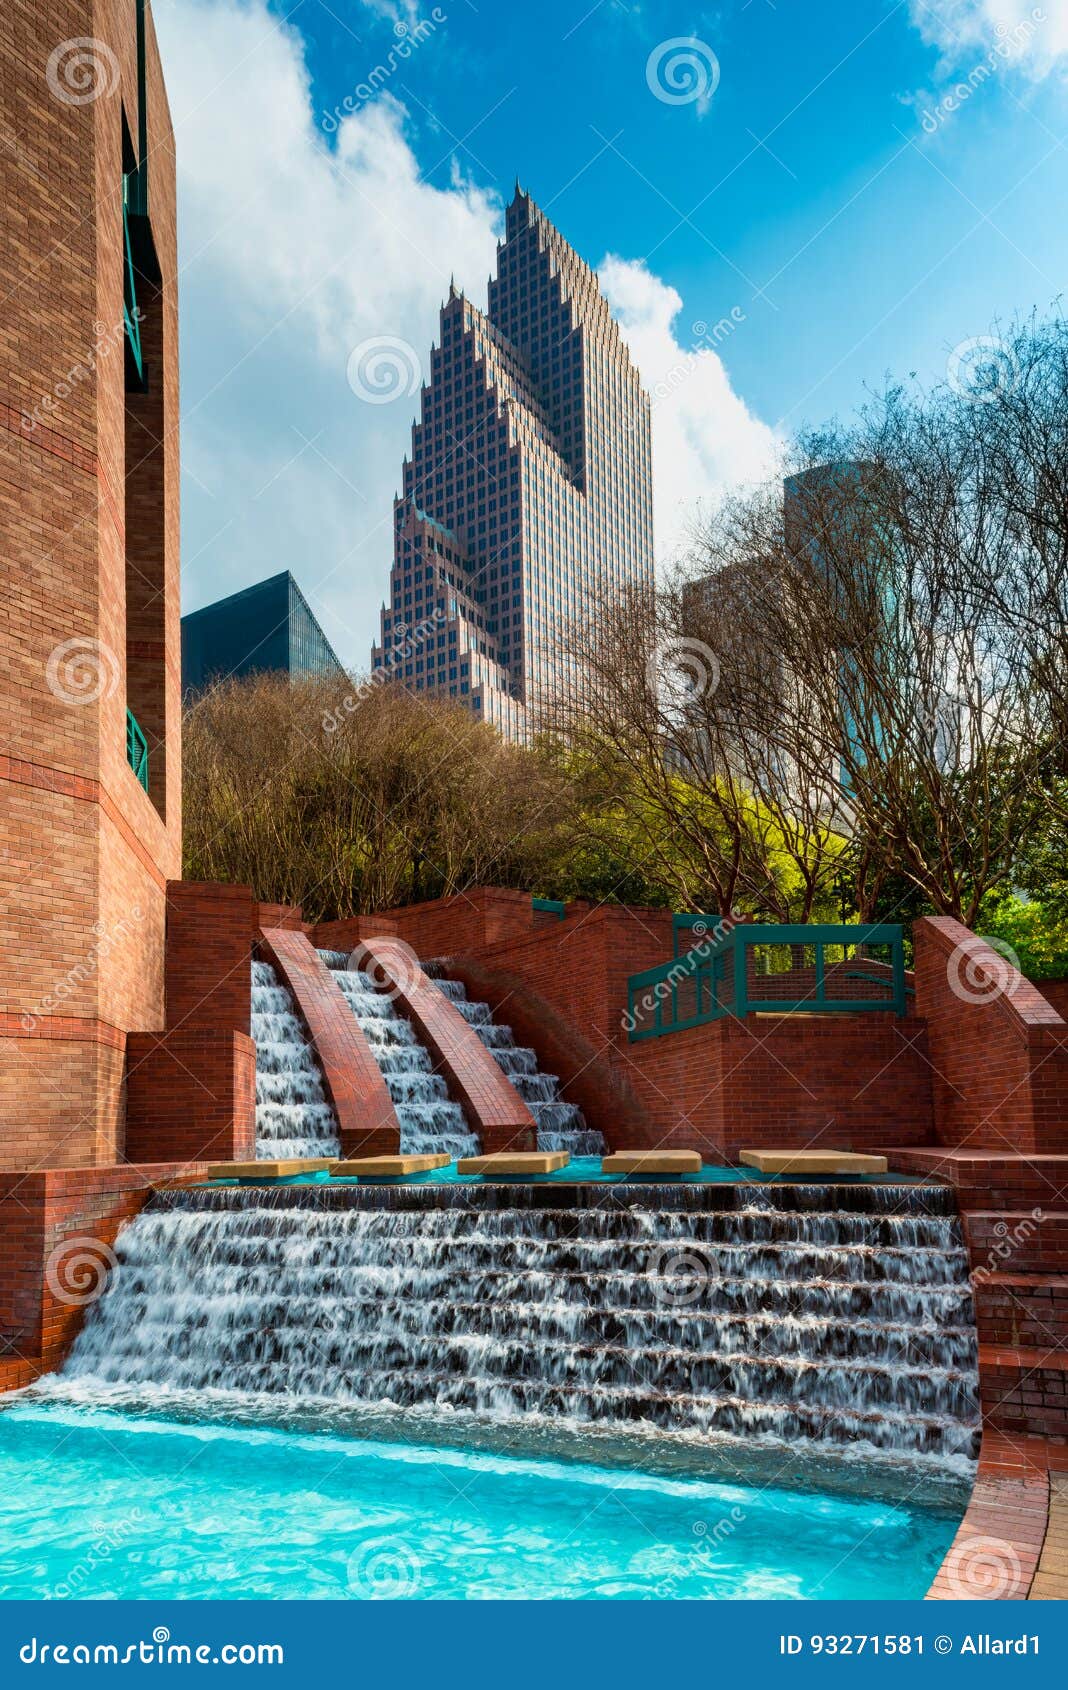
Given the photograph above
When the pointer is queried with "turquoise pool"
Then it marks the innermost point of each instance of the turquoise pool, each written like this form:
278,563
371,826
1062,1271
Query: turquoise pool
98,1504
586,1170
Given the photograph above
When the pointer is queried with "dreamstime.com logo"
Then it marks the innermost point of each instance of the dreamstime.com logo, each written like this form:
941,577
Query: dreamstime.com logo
679,1276
411,641
984,1568
390,965
409,37
683,667
155,1651
980,970
982,369
78,1578
384,368
683,71
384,1568
71,983
107,338
82,70
1008,1239
682,970
82,670
78,1269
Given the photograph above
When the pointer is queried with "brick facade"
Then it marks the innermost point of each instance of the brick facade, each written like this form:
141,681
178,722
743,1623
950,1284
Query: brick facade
191,1096
999,1050
482,916
89,527
191,1088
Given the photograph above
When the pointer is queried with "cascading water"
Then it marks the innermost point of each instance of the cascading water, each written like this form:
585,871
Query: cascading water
804,1316
560,1125
429,1123
293,1118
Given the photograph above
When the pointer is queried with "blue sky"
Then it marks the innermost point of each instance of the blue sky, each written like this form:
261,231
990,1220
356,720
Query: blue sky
864,185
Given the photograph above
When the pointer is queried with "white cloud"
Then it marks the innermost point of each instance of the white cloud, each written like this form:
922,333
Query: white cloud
705,439
1032,37
295,248
293,251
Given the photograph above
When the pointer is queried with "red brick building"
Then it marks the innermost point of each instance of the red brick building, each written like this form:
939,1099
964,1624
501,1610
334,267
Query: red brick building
90,783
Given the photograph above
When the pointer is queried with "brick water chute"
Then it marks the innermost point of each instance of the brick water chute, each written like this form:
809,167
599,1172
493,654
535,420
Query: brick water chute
429,1123
560,1124
293,1117
816,1317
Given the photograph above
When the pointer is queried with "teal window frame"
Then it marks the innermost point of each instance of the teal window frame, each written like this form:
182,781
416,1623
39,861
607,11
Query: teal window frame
130,316
136,749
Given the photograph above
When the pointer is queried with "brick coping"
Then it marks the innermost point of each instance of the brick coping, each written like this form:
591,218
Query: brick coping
1000,1545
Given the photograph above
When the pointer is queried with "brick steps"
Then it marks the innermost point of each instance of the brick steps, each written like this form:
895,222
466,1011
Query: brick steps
996,1181
1017,1241
1025,1390
1051,1580
1014,1309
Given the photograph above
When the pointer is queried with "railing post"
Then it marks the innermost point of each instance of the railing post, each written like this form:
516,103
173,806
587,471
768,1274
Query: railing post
897,955
741,984
821,995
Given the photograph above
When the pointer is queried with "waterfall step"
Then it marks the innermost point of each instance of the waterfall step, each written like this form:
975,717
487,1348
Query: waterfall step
783,1315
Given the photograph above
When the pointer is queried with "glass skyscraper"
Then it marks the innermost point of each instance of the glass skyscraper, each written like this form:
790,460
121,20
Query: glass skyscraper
266,627
527,496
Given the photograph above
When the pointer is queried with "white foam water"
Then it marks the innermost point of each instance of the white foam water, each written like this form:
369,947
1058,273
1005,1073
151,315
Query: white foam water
429,1123
293,1116
846,1324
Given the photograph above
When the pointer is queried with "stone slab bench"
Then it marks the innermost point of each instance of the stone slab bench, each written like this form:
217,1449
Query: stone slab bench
515,1162
269,1170
387,1167
812,1162
652,1162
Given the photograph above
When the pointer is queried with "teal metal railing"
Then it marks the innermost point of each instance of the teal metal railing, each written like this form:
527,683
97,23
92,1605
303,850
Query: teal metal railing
136,749
713,974
549,906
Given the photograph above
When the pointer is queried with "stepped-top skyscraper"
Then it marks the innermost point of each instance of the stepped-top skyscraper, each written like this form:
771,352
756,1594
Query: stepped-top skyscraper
528,493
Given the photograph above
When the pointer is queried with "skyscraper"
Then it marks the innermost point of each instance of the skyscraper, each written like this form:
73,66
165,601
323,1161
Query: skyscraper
268,627
527,495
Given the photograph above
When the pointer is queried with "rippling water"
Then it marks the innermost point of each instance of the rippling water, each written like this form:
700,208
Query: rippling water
98,1504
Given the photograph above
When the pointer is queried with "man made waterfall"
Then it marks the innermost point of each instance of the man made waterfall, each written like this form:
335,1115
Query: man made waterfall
293,1118
811,1316
560,1125
429,1123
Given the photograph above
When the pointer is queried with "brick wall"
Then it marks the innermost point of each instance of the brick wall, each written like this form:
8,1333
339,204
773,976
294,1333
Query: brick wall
85,853
57,1229
191,1096
209,955
999,1050
191,1088
464,922
717,1088
1055,993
